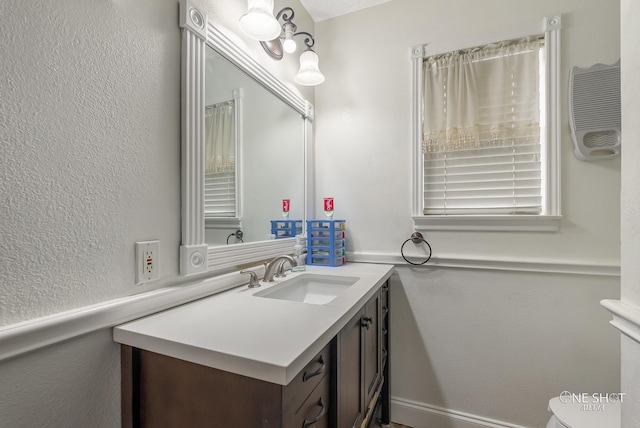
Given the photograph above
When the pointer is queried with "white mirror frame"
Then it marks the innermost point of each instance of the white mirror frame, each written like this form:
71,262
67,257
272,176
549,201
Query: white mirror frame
195,255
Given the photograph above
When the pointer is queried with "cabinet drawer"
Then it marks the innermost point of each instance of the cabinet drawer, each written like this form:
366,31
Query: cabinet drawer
296,392
314,412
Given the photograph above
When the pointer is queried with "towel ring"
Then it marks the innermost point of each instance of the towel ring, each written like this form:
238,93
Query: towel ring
416,238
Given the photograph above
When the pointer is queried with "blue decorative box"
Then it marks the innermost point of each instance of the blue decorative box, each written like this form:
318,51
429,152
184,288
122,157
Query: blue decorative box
326,242
286,228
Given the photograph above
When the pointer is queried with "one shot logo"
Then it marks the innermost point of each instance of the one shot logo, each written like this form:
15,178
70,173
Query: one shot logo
593,402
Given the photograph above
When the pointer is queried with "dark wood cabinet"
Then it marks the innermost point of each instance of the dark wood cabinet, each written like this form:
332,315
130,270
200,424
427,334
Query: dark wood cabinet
359,373
372,350
349,399
162,391
338,388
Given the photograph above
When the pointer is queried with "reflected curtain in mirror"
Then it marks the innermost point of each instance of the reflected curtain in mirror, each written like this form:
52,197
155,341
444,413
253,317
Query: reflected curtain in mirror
220,159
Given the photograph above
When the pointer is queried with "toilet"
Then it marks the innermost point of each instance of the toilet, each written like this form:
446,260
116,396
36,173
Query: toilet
589,413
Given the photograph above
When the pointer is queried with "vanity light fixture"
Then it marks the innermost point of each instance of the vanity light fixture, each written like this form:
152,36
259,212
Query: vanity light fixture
258,23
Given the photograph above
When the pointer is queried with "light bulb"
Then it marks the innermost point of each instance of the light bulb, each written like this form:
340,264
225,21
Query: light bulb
289,45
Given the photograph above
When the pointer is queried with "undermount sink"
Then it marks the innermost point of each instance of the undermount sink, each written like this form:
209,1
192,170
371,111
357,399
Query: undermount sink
309,288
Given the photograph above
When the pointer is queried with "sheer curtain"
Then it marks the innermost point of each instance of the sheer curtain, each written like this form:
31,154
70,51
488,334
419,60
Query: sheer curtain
481,130
220,154
220,137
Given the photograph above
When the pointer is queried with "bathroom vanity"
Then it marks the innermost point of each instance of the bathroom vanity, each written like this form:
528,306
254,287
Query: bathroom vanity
309,350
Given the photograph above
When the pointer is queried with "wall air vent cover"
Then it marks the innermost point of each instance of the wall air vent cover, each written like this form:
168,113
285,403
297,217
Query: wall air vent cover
594,110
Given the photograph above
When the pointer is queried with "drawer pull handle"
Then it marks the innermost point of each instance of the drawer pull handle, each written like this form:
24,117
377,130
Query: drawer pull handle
365,322
308,375
384,330
323,411
385,310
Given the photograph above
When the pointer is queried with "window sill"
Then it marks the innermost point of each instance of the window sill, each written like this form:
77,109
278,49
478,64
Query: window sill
512,223
222,223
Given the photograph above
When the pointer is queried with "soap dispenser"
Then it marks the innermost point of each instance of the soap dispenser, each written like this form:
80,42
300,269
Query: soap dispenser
299,251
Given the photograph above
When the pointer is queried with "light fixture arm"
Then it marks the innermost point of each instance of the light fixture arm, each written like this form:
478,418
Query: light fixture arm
283,14
287,14
309,41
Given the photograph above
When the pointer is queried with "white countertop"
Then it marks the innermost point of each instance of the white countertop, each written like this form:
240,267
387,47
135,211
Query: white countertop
263,338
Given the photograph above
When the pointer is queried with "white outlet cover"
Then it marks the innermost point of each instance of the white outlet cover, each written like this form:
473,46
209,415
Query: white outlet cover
147,261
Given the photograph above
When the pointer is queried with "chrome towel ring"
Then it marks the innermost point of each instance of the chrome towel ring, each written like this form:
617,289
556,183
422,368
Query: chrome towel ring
416,238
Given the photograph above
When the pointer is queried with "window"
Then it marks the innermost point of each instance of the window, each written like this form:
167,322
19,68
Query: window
220,160
486,131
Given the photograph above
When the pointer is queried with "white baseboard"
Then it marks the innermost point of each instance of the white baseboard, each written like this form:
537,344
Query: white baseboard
421,415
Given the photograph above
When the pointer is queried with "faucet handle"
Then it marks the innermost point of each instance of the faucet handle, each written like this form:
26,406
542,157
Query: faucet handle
280,273
253,281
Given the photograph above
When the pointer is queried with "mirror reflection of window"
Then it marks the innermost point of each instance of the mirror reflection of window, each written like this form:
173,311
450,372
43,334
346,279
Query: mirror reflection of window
266,144
220,160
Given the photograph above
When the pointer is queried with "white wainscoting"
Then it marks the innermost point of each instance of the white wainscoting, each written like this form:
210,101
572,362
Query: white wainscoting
451,261
23,337
33,334
626,318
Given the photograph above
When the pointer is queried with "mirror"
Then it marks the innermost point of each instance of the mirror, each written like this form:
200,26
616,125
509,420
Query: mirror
254,156
261,153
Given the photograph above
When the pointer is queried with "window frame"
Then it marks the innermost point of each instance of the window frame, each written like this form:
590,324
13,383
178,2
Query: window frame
549,219
212,221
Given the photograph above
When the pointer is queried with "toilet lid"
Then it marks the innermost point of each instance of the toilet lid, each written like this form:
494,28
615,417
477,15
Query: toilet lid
590,414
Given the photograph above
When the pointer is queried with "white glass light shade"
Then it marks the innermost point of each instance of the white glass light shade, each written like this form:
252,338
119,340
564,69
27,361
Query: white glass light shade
259,22
309,73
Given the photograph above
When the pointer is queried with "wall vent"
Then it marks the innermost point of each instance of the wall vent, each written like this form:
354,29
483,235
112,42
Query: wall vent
594,110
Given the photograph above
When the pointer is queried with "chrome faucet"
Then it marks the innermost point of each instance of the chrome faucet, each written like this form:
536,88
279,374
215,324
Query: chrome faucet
276,267
253,281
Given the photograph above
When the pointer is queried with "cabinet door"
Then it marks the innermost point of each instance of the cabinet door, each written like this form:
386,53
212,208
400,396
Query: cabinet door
350,399
372,348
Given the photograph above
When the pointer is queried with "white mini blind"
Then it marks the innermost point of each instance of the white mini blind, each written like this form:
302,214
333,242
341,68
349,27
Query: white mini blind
220,194
481,141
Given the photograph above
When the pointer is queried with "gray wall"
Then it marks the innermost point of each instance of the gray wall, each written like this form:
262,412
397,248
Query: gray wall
89,134
471,344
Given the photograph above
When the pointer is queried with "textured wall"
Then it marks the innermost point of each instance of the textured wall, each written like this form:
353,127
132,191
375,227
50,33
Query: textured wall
89,164
72,384
90,148
90,143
